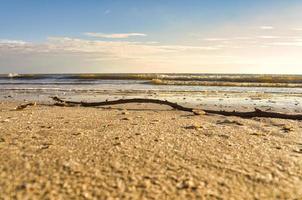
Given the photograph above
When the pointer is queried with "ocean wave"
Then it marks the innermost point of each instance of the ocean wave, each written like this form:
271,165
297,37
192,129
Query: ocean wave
80,76
189,78
225,84
243,78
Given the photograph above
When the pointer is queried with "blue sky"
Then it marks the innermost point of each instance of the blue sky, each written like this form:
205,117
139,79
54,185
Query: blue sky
35,19
150,36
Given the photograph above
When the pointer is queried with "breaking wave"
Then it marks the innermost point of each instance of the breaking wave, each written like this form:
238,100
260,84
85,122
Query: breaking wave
225,80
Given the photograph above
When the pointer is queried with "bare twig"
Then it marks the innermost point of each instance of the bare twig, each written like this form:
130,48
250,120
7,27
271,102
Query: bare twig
256,113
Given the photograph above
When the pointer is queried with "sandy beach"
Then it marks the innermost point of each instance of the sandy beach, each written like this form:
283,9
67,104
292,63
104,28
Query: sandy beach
145,151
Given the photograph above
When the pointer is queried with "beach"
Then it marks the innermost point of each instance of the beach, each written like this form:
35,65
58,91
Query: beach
145,151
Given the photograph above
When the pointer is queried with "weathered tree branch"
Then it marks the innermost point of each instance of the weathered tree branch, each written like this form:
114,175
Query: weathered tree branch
256,113
124,101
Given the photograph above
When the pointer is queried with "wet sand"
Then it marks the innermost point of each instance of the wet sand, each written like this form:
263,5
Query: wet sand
145,152
229,101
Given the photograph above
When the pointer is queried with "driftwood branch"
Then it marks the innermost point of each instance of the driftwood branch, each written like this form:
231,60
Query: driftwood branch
256,113
124,101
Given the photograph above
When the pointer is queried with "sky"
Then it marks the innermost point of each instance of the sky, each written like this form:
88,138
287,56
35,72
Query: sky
151,36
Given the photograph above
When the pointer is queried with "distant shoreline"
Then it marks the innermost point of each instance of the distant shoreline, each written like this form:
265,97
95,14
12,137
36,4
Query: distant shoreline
192,80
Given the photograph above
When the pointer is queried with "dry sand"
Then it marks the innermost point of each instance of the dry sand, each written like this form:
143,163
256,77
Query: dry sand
146,152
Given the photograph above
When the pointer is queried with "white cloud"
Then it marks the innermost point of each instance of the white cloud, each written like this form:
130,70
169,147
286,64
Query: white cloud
13,45
228,50
268,37
12,42
266,27
242,38
227,40
108,49
293,44
86,53
114,35
216,39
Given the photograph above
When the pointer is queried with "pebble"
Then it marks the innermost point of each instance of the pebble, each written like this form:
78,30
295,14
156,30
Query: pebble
199,112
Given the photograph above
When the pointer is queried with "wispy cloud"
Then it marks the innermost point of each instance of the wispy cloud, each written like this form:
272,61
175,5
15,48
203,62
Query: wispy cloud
97,52
13,45
224,40
268,37
242,38
215,39
292,44
13,42
267,27
109,49
241,47
114,35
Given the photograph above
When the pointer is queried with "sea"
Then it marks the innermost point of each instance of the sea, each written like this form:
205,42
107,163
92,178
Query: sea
154,82
221,90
